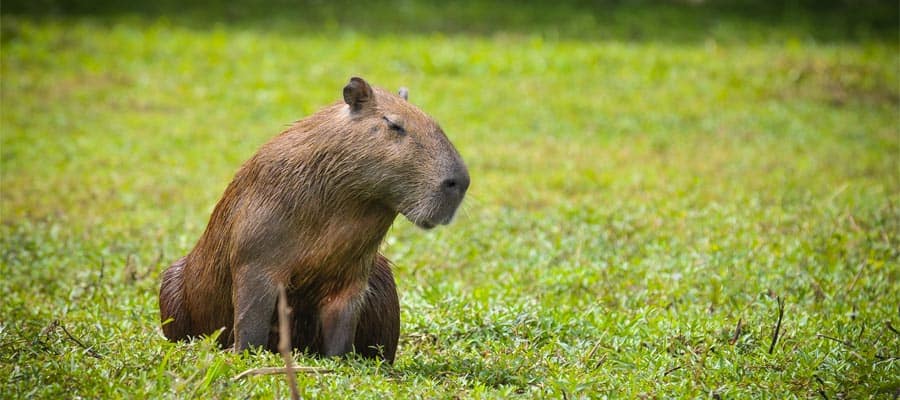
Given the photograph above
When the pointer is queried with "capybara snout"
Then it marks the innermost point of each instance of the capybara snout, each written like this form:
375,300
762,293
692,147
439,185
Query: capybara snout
445,200
454,188
437,203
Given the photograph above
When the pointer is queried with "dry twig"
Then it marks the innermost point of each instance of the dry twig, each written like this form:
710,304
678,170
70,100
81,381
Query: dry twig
671,370
284,341
891,327
843,342
777,329
284,348
89,350
737,331
862,266
821,387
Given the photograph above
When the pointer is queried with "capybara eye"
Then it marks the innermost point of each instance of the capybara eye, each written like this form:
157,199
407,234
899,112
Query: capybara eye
394,126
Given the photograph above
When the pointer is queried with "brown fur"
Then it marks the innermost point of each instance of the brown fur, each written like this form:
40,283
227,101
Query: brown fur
310,210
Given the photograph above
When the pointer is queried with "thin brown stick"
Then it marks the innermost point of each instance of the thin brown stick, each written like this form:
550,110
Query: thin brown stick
737,331
673,369
284,348
843,342
859,272
821,387
891,327
592,351
55,323
284,341
281,370
777,329
89,350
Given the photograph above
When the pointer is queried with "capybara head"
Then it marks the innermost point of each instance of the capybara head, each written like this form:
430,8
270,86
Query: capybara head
410,165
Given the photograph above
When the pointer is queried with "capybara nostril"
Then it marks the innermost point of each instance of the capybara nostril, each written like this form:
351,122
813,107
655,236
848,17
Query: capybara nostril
457,184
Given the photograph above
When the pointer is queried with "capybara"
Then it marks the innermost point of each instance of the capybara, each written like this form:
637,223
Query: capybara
309,210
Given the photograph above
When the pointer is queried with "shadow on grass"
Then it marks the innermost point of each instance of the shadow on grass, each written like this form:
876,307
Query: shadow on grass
671,21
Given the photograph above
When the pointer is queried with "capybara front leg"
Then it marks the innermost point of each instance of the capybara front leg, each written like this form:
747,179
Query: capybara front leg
378,329
338,315
254,297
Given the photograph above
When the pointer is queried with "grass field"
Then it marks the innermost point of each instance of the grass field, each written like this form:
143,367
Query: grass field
648,181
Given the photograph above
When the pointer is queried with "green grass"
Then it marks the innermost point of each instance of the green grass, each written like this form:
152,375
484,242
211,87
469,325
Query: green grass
637,193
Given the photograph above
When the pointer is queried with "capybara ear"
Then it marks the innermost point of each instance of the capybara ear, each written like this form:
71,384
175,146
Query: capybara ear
357,93
404,93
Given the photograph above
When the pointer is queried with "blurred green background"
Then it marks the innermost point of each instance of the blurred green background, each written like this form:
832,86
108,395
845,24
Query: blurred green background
648,179
641,20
